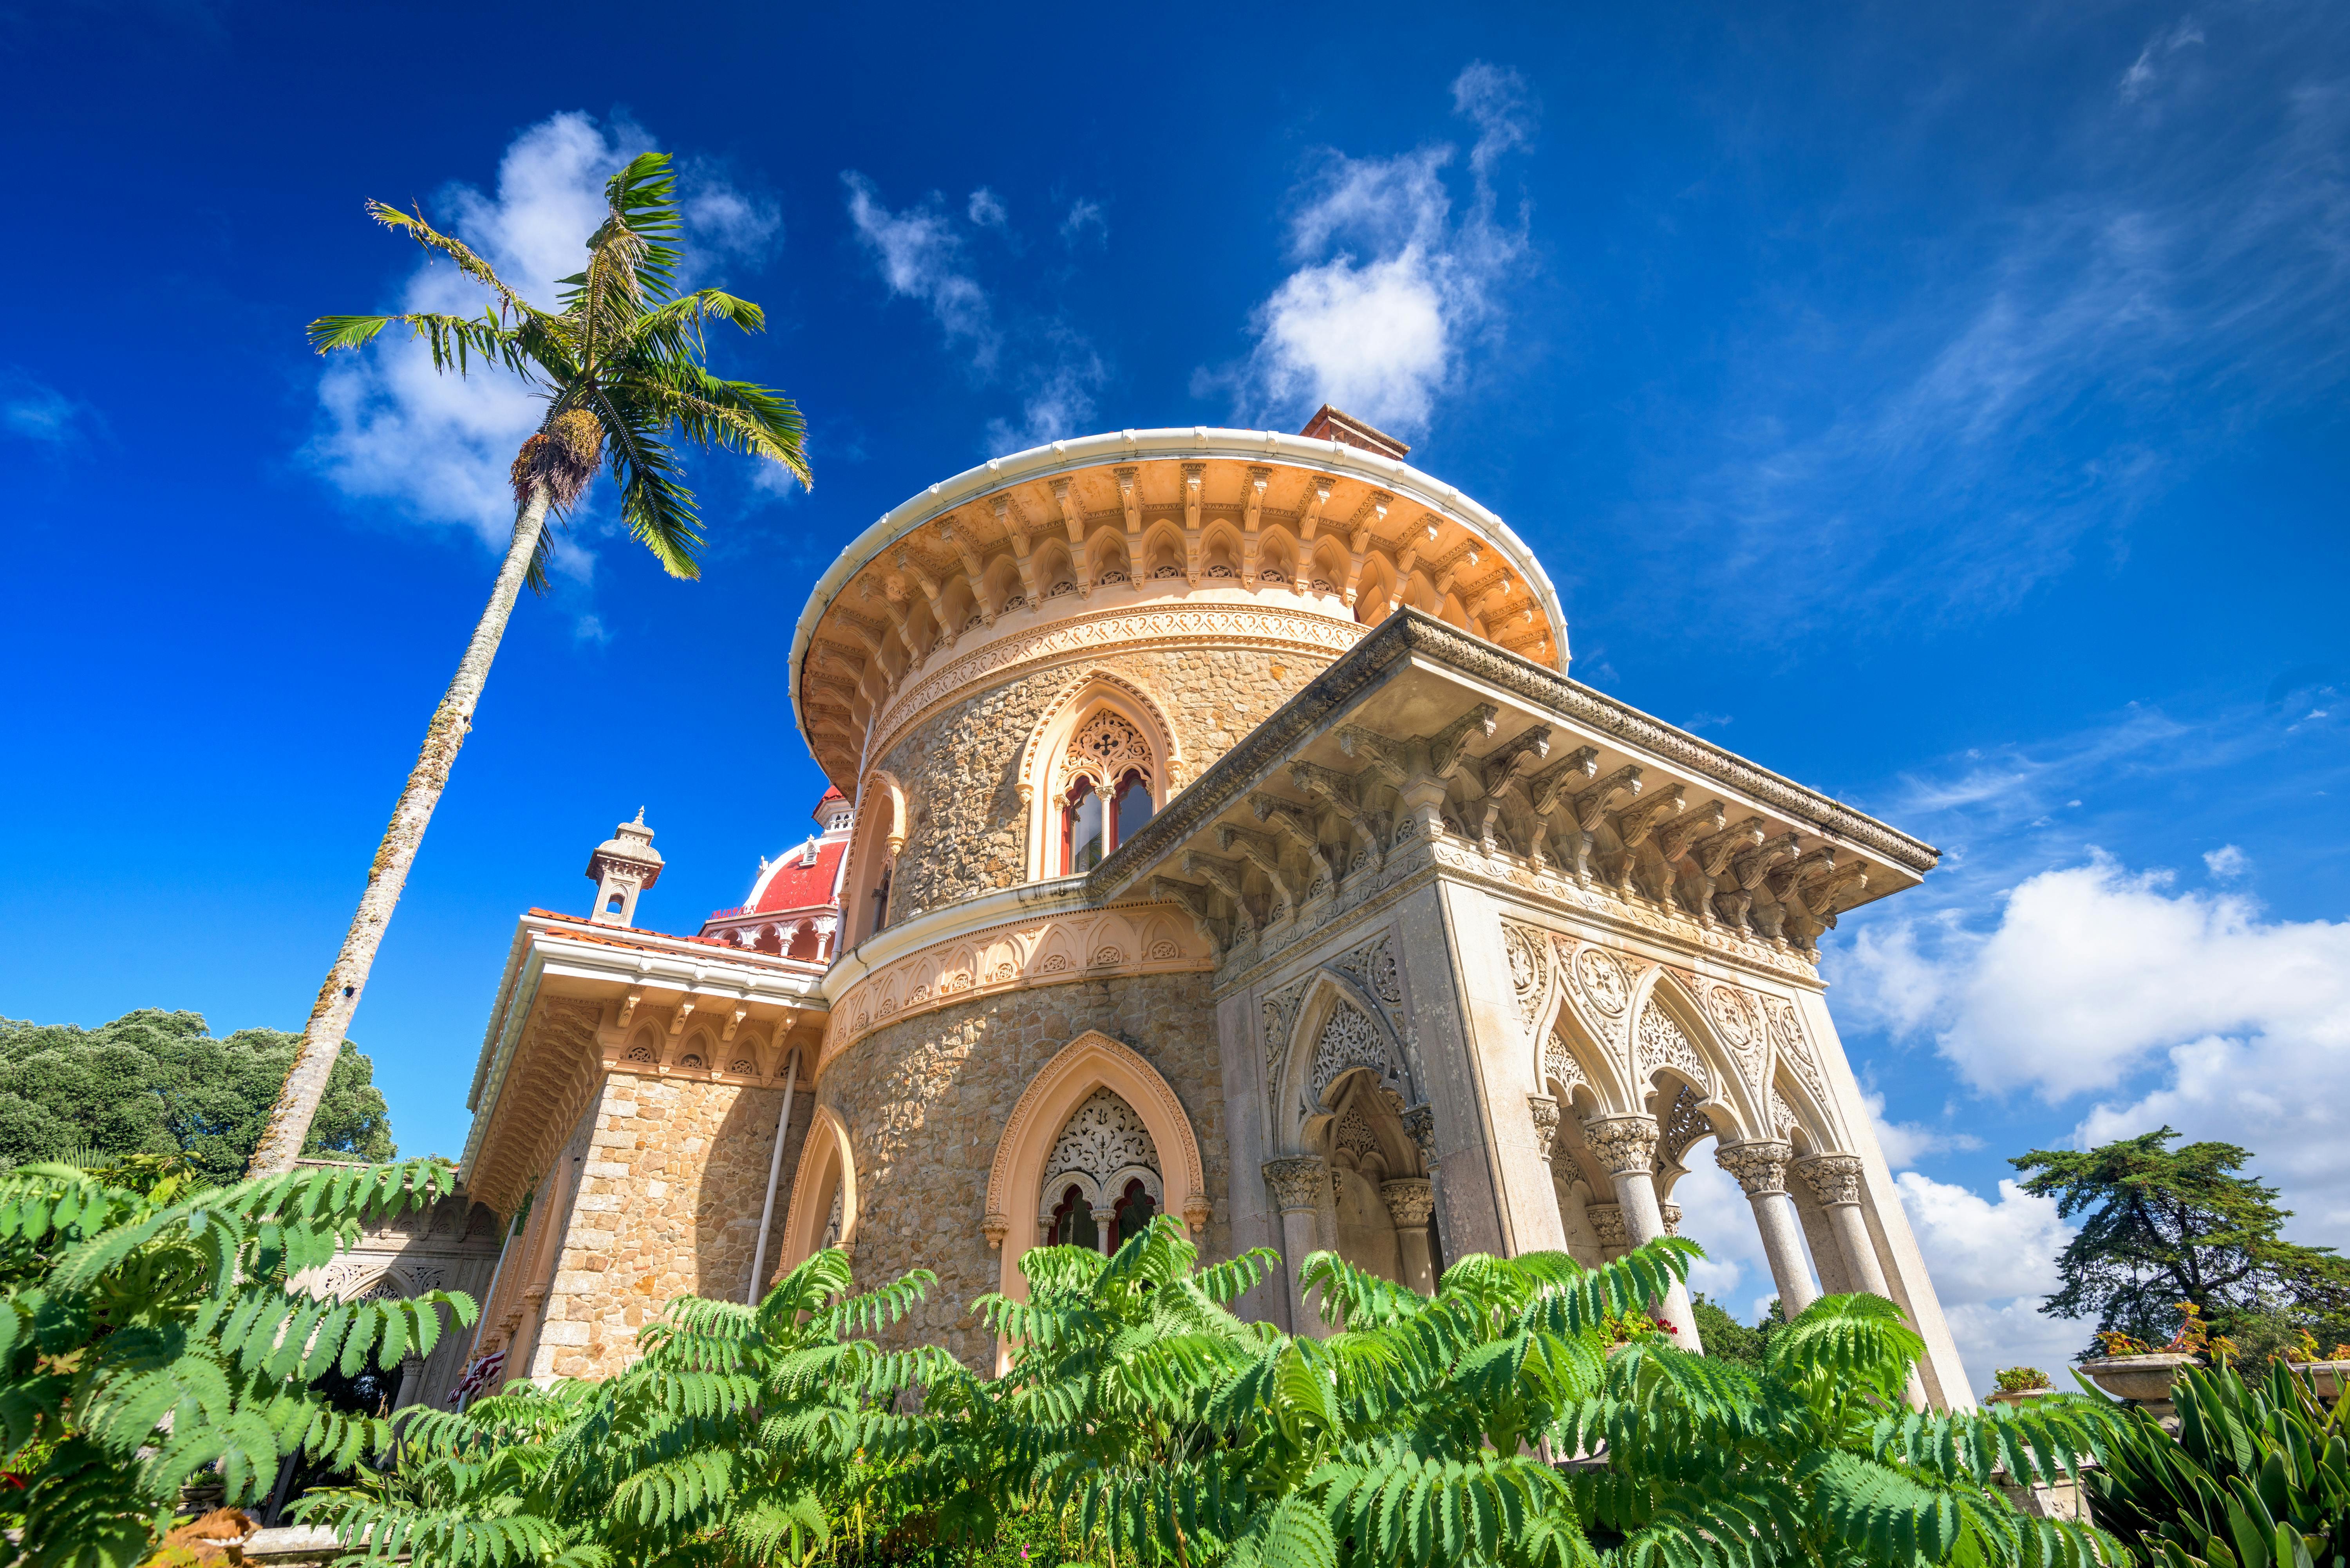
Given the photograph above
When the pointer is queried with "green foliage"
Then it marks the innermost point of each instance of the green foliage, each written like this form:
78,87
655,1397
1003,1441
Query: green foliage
620,361
738,1436
2020,1379
1724,1336
2257,1477
2166,1226
157,1082
146,1334
1811,1458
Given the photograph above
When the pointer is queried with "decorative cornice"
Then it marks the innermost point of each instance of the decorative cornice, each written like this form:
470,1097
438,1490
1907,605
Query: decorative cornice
1410,636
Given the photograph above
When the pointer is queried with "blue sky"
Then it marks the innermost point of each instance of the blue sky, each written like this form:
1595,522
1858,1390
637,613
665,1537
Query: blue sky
1945,410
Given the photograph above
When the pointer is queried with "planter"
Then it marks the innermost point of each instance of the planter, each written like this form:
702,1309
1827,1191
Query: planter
2324,1377
2142,1379
2017,1396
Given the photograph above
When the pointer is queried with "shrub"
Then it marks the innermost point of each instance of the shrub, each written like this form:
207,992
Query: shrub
2020,1379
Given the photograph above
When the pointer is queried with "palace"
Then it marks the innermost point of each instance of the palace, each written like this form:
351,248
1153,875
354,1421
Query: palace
1228,841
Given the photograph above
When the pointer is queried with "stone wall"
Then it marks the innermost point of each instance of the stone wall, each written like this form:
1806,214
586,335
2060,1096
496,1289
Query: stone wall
667,1205
926,1100
960,766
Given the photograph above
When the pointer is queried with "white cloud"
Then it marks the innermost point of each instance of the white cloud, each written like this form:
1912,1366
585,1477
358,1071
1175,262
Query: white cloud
1058,400
1906,1143
1085,217
920,257
2146,69
1389,287
590,628
987,210
1991,1265
439,446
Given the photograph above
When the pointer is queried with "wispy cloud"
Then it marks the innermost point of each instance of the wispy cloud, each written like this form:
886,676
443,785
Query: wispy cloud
2175,277
35,411
921,257
438,447
1087,220
987,210
1389,287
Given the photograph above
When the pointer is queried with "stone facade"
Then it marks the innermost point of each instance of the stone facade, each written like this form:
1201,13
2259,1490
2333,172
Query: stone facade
960,766
925,1101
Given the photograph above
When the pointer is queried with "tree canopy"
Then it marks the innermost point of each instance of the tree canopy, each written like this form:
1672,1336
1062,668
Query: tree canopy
152,1082
2169,1225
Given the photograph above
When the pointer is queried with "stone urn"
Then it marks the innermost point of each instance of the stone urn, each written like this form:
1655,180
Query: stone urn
2016,1395
2142,1379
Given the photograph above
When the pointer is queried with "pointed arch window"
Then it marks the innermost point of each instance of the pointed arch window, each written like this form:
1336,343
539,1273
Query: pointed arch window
1073,1221
1104,778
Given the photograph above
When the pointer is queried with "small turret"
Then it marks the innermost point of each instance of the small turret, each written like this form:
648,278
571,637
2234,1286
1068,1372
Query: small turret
622,867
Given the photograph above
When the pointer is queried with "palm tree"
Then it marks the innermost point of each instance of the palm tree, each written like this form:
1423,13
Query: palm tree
621,367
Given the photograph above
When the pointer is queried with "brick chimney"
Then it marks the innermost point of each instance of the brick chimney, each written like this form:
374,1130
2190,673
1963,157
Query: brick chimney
1331,424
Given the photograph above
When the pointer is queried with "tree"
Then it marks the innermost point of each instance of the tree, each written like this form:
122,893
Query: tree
147,1333
621,367
2166,1226
157,1082
1727,1338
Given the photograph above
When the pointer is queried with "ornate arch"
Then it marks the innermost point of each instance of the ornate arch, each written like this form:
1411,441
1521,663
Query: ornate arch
828,1165
1337,1031
1671,1036
1096,691
1016,1179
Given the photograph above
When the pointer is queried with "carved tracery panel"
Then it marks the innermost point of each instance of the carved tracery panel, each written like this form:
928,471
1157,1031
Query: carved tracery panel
1104,749
1103,1137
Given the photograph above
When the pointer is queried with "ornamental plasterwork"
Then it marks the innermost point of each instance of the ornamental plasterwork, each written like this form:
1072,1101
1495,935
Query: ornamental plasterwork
1102,1137
1794,1049
1353,1134
1684,1126
1105,748
1280,1015
1560,1065
1663,1044
1599,976
1249,626
1529,961
1084,944
1349,1040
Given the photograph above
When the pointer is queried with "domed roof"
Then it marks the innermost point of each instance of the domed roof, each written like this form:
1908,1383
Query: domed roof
929,595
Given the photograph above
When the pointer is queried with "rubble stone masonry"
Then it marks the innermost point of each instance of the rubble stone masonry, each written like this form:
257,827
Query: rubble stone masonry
926,1099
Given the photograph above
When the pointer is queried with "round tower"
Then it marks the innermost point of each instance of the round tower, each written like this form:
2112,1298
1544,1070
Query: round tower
1008,674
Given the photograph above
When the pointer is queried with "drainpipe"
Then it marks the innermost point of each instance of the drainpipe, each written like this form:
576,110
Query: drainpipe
774,1173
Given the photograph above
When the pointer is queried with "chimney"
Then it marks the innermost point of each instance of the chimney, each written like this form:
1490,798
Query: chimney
622,867
1332,424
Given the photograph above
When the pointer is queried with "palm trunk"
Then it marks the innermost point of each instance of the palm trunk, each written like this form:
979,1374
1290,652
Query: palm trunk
338,999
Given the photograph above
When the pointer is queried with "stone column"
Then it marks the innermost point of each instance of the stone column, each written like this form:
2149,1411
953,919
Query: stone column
1626,1146
411,1378
1760,1168
1410,1201
1104,1231
1835,1179
1299,1185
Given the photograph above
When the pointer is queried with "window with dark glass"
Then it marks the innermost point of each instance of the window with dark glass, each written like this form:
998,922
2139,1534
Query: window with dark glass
1073,1223
1133,804
1092,827
1134,1213
881,903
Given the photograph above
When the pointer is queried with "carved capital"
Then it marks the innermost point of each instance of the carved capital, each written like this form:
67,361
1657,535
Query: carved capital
1197,1212
1608,1224
1626,1146
1298,1183
1544,1111
1410,1200
1419,1121
1760,1167
1835,1179
1672,1216
994,1227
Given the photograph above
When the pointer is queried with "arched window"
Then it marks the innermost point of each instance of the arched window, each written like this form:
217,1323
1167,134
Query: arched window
1105,776
881,903
1134,1212
1073,1223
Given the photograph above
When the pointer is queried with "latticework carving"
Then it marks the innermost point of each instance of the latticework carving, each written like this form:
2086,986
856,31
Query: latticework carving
1102,1137
1348,1041
1663,1044
1103,749
1559,1063
1279,1013
1684,1126
1354,1135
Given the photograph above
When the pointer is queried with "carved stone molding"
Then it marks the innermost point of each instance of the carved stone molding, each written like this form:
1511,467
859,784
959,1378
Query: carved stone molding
1671,1212
1083,944
1410,1200
1419,1121
1760,1168
1834,1179
1085,636
1529,959
1623,1145
1298,1183
1544,1111
994,1227
1607,1224
1599,976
